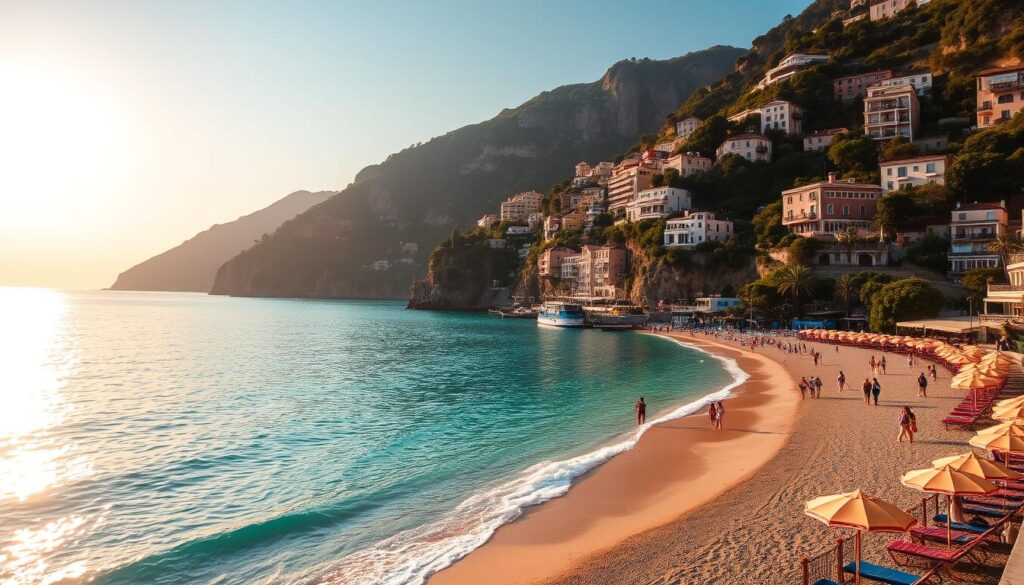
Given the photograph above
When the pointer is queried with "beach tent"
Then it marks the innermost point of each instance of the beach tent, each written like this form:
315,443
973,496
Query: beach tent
862,512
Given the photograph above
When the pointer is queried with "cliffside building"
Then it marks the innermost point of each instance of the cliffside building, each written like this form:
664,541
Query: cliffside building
694,228
821,139
1000,94
826,208
890,112
549,262
582,169
520,206
488,220
596,272
972,228
911,172
658,202
688,163
850,87
624,186
921,82
687,125
789,66
783,116
753,147
882,9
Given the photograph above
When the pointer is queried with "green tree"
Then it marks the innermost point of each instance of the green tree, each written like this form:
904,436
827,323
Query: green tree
795,280
1005,245
853,152
846,291
707,136
903,300
976,281
897,148
896,207
847,238
768,226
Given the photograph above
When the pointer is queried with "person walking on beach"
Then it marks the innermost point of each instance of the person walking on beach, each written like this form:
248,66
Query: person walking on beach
935,372
908,424
803,388
871,363
713,415
867,391
876,389
882,364
842,381
719,415
922,386
817,387
641,411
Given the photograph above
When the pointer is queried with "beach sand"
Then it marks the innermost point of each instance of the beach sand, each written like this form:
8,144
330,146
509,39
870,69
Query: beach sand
689,505
675,467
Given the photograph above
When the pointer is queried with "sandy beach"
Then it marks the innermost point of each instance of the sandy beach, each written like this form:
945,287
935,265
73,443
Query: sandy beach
690,505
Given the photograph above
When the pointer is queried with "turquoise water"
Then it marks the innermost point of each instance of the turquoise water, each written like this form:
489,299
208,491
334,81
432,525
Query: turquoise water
181,438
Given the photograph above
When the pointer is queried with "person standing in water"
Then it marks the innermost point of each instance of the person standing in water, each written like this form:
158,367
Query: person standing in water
641,411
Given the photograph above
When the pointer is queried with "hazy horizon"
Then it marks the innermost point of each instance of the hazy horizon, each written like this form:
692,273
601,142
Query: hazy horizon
131,126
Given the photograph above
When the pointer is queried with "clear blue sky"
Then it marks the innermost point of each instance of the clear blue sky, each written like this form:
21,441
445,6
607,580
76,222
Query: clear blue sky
146,122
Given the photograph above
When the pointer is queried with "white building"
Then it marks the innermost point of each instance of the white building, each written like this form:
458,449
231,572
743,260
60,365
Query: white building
519,206
382,265
535,220
583,169
688,163
921,82
695,228
552,224
753,147
518,230
687,125
488,220
789,66
410,247
782,115
715,304
822,139
882,9
891,112
911,172
657,203
602,169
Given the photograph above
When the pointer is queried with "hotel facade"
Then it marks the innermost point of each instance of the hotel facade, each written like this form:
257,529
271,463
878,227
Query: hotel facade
826,208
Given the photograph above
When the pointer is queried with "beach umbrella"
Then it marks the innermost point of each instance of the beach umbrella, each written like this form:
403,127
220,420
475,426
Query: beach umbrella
994,356
1008,413
971,463
1009,441
1014,426
949,481
1009,401
861,512
974,382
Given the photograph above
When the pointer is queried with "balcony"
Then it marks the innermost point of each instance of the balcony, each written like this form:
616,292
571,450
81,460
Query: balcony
1006,85
1005,288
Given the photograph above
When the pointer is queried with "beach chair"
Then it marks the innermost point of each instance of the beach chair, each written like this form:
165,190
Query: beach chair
988,512
938,534
938,554
963,526
880,574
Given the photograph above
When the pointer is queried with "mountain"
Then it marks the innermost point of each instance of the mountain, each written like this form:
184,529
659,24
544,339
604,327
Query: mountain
192,265
419,195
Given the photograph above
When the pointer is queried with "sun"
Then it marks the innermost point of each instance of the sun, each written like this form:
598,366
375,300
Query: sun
60,129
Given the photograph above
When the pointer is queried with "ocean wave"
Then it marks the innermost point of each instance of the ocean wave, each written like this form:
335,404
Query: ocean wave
411,556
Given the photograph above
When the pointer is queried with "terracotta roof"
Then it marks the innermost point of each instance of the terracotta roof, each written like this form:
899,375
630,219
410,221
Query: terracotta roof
914,159
996,70
970,206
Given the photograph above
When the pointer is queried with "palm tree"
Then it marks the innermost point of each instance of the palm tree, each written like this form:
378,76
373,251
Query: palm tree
847,237
795,279
846,291
1004,245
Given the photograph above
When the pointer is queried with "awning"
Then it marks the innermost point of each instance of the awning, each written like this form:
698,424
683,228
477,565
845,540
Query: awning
947,325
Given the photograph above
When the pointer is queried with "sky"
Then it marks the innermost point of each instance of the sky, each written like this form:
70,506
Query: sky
128,127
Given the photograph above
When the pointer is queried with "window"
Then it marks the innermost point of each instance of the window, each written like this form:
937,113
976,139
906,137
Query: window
1004,115
1005,99
846,210
901,172
888,172
916,168
829,208
991,215
929,168
888,185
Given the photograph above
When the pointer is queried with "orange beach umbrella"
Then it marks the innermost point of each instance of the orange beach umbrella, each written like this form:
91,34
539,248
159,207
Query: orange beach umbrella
862,512
950,481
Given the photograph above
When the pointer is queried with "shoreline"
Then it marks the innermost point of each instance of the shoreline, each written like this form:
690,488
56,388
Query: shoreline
677,465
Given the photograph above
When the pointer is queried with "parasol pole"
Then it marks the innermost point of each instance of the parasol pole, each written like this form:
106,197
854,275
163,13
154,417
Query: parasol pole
949,521
856,574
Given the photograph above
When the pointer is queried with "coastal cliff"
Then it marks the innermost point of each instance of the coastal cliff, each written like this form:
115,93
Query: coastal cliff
192,265
466,274
420,194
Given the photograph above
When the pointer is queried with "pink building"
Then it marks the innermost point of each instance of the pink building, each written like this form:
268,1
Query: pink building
549,263
582,169
826,208
851,87
1000,94
602,271
822,139
688,163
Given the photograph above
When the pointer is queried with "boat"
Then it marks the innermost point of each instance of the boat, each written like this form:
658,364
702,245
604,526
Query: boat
561,315
617,317
518,313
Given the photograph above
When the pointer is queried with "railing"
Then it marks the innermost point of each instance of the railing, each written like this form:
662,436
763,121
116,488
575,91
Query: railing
1005,287
997,318
829,563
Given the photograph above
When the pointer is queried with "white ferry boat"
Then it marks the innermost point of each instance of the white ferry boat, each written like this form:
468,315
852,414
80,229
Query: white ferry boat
561,315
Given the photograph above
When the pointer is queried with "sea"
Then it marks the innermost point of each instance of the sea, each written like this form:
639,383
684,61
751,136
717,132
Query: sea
170,438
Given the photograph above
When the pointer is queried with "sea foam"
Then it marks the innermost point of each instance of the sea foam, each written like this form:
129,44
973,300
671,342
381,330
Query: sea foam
411,556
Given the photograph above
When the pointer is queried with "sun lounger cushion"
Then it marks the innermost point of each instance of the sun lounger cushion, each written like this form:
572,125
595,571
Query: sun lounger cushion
990,512
939,533
924,551
963,526
882,574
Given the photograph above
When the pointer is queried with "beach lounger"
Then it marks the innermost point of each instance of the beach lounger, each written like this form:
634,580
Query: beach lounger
963,526
881,574
939,554
989,512
938,533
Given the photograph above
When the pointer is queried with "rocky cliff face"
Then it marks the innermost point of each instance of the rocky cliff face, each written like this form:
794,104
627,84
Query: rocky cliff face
420,194
192,265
